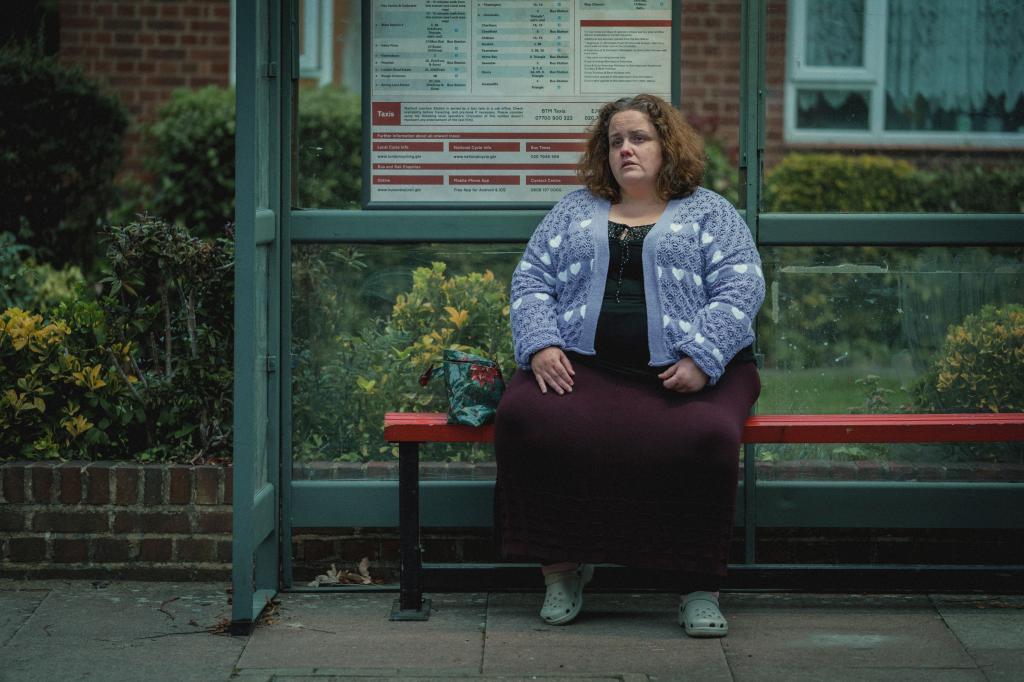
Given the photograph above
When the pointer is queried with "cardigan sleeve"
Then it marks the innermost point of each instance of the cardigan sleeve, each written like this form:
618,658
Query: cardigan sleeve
734,282
533,292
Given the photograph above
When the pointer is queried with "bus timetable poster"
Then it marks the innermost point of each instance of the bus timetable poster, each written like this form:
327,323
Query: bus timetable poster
486,101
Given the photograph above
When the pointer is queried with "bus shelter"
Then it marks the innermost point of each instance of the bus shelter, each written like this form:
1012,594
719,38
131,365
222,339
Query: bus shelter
888,283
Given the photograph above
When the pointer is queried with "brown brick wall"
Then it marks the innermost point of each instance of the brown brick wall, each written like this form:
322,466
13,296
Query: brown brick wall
142,50
710,68
174,522
123,519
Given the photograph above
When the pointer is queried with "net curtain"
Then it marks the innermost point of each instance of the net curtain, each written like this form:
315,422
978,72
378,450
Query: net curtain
955,53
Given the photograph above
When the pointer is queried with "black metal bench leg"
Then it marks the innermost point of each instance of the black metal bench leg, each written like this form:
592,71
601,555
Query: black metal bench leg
410,605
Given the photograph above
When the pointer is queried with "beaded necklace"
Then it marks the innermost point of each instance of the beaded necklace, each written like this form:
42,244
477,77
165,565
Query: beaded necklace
624,234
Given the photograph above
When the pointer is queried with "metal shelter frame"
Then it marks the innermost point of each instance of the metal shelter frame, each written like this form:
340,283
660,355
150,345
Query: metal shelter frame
268,503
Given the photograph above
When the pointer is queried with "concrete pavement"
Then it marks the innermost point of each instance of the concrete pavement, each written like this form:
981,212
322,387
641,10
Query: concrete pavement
114,631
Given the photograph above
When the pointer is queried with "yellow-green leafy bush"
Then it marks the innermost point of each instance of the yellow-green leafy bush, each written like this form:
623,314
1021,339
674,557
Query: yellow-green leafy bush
377,369
64,394
468,312
979,368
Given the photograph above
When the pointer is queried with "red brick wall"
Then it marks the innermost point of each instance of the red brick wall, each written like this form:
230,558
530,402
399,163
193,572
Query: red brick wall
124,519
171,521
710,73
710,68
142,50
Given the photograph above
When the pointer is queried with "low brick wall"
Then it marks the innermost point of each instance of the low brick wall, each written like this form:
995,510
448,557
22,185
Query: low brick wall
115,518
166,521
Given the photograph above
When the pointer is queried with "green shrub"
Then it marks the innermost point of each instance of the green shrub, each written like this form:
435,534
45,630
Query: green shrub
60,147
330,138
169,296
819,183
65,394
979,366
29,285
377,369
974,188
191,155
720,173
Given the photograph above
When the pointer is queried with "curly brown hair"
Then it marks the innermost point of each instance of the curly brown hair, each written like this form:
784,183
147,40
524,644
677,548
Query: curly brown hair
682,150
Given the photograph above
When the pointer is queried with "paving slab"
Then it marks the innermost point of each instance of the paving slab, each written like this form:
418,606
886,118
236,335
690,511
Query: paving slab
251,676
16,606
123,631
991,628
848,637
351,631
615,633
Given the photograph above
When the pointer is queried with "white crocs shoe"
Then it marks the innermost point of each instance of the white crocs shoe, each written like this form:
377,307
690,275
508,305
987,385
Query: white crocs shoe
700,617
564,597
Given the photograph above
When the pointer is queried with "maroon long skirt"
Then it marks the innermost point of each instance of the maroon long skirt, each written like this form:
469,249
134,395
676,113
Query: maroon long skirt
621,470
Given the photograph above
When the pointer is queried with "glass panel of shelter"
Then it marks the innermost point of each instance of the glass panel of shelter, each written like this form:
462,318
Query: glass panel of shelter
868,328
356,352
843,328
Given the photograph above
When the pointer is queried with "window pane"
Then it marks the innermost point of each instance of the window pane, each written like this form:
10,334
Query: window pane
710,84
955,66
827,150
833,109
367,321
328,137
835,33
890,330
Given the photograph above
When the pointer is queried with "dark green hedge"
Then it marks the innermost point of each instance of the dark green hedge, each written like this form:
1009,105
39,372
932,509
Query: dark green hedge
60,148
192,154
822,183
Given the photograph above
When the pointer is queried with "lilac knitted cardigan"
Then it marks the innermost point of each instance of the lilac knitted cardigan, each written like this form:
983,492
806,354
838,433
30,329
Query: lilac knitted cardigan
702,280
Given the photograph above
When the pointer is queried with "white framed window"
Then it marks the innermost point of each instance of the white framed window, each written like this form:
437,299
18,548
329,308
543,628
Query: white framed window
905,72
315,25
315,29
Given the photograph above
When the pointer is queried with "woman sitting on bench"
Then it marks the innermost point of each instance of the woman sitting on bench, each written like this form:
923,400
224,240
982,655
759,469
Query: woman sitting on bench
632,313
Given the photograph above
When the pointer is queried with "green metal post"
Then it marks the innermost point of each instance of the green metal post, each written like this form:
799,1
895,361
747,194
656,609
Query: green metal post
287,103
751,166
256,387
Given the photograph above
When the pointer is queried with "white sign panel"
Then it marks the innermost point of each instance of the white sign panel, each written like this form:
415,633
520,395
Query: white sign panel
487,101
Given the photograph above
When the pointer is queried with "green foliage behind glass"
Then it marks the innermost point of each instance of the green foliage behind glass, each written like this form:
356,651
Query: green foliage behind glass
60,147
838,183
819,183
980,367
973,188
342,389
191,153
330,154
720,173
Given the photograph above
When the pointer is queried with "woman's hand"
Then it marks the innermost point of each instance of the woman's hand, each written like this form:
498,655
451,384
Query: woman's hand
684,376
552,368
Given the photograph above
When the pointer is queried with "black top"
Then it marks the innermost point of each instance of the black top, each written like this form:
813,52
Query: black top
621,336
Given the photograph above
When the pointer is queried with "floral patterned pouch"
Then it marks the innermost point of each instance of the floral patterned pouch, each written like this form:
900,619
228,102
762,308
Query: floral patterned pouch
474,387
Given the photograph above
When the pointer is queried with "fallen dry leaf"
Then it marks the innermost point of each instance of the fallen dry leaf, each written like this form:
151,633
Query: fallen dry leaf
364,570
336,577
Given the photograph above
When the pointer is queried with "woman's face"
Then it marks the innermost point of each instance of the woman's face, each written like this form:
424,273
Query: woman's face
634,150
